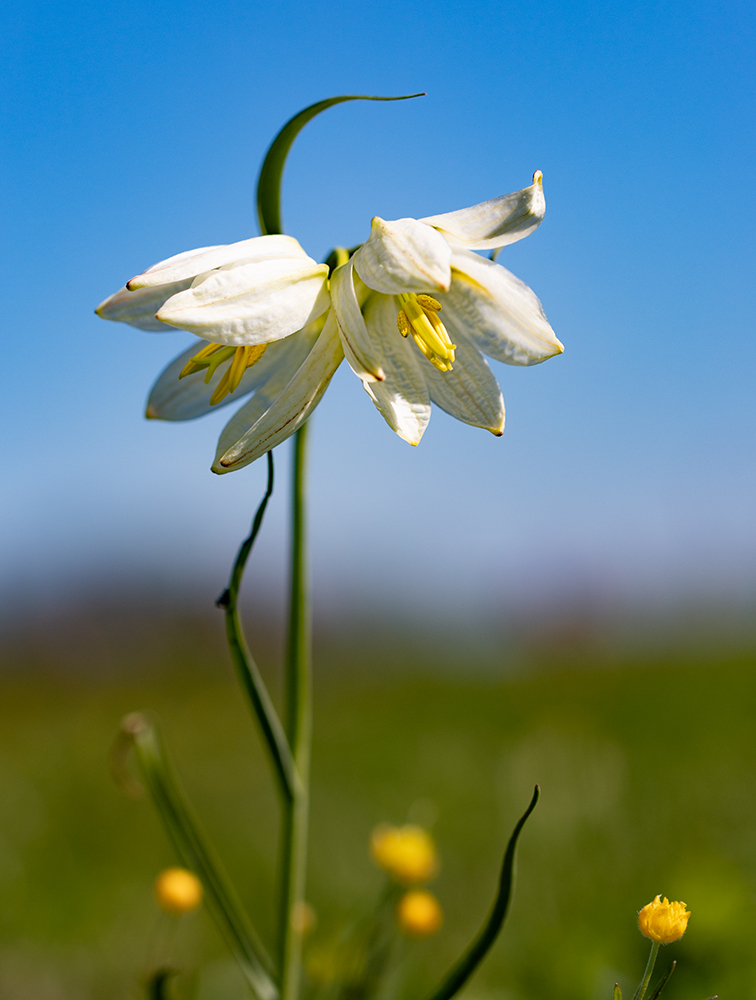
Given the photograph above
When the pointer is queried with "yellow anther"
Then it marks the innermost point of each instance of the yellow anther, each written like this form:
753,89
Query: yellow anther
214,355
428,302
419,317
210,357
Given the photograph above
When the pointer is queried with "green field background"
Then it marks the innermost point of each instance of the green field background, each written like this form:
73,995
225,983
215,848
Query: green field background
645,754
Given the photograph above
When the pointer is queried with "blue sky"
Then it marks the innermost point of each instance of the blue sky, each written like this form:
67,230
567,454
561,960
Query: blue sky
135,130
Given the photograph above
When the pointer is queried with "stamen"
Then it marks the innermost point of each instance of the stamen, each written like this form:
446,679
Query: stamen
419,317
428,302
243,358
216,361
212,356
200,359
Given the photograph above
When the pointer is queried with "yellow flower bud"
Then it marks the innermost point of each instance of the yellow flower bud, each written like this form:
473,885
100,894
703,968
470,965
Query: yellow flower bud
419,913
178,891
662,921
407,853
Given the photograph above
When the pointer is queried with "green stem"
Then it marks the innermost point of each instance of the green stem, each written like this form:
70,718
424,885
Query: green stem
299,729
641,991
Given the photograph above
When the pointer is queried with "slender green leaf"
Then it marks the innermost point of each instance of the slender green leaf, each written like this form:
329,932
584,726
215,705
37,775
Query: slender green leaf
271,172
469,962
617,992
194,850
663,982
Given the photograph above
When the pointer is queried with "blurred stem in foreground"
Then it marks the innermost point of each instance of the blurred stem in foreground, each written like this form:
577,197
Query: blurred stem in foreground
195,851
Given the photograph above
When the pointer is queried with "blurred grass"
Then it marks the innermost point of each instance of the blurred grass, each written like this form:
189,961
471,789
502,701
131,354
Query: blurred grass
647,763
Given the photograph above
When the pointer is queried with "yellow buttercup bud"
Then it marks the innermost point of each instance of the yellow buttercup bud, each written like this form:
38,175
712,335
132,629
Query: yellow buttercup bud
178,891
662,921
419,913
407,853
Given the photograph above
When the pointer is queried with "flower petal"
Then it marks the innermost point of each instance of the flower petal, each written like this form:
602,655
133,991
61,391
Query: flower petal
469,392
499,313
251,302
494,223
281,406
185,399
139,308
404,256
402,398
359,348
193,262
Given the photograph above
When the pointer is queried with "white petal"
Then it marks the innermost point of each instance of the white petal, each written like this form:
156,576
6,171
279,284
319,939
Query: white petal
469,391
500,314
185,399
192,262
494,223
404,256
402,398
281,406
251,303
359,349
139,308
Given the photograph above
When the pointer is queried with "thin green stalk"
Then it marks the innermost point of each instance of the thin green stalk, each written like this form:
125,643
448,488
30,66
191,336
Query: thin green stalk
246,668
195,851
641,991
299,730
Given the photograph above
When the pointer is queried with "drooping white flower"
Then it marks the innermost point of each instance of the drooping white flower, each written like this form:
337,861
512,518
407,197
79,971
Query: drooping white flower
414,311
417,309
260,307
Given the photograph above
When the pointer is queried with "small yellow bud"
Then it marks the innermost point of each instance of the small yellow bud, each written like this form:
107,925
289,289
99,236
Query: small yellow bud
419,913
407,853
178,891
662,921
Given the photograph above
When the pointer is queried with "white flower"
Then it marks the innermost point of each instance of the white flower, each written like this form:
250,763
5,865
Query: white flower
261,309
420,279
413,311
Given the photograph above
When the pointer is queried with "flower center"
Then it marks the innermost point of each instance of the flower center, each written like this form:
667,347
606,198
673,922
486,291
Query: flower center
418,318
212,356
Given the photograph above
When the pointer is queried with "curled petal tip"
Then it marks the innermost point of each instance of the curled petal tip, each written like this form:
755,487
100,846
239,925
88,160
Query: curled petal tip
151,413
538,178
